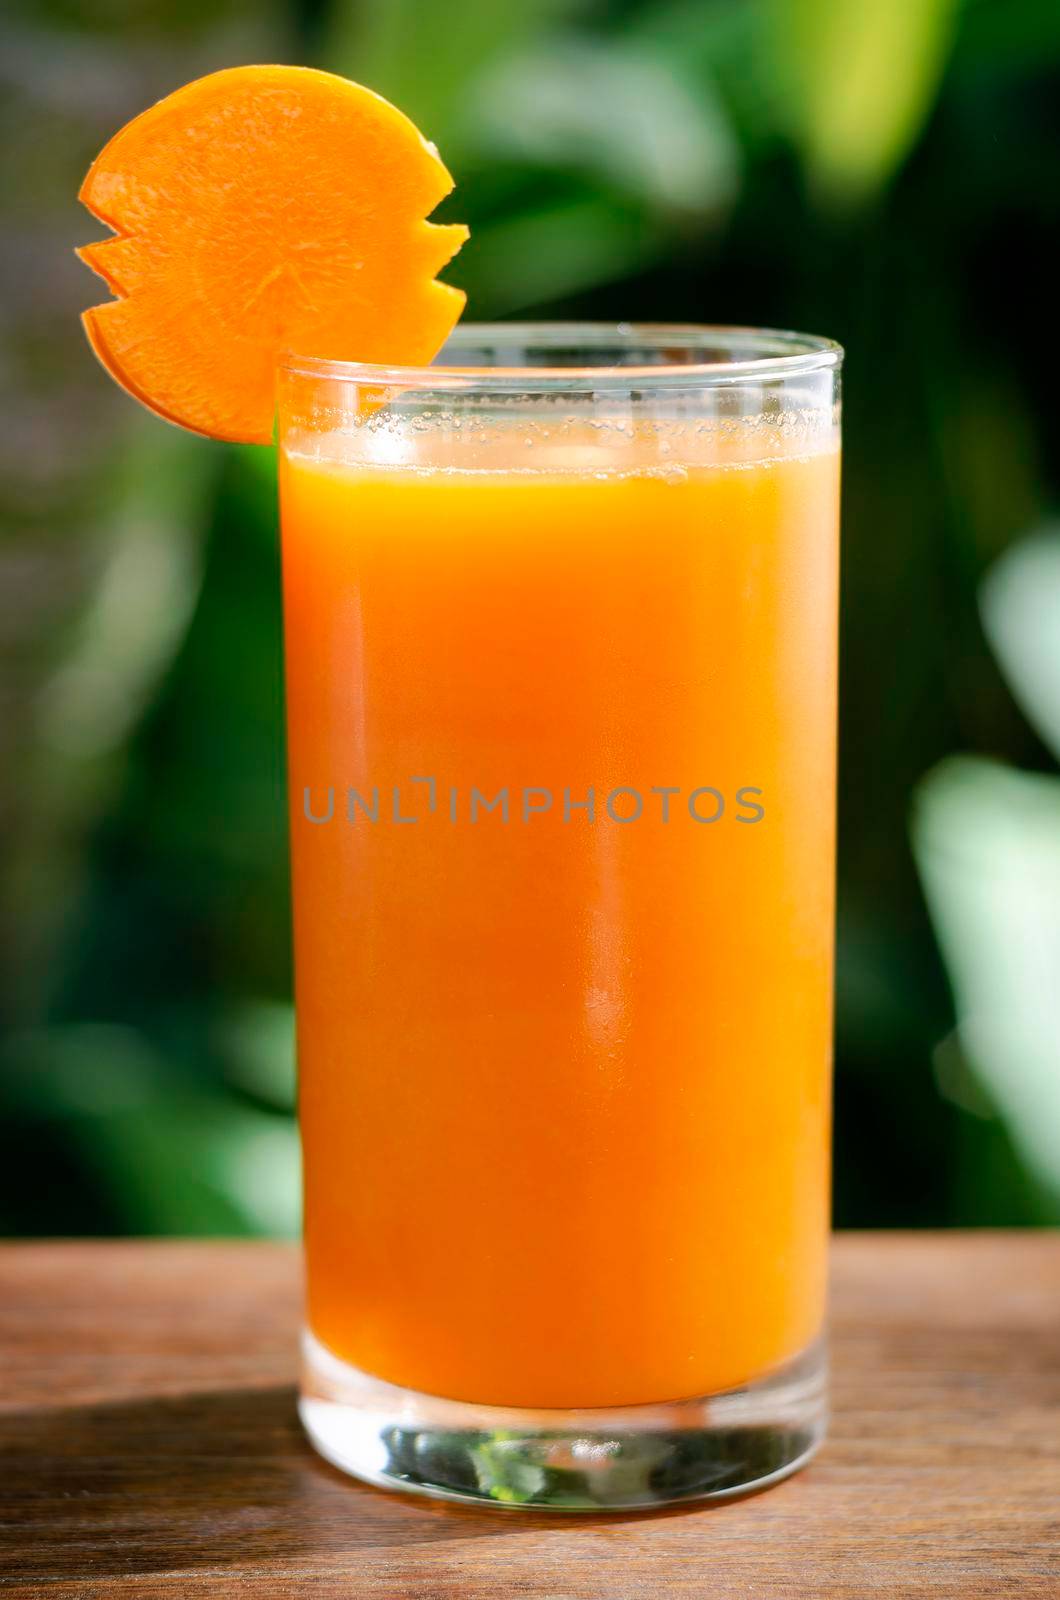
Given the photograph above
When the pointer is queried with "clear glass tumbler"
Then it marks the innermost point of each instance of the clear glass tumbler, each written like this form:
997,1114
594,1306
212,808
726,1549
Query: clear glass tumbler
561,651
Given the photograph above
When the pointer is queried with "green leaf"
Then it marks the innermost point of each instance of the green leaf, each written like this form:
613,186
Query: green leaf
861,78
987,842
625,116
1020,602
174,1156
256,1043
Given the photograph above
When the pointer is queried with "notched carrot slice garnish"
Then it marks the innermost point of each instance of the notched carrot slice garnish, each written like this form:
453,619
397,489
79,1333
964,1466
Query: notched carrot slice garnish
261,211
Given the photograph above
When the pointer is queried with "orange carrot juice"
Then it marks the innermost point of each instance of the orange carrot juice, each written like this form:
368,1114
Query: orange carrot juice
561,747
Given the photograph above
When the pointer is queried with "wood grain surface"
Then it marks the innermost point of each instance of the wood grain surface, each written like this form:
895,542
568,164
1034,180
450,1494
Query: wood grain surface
149,1446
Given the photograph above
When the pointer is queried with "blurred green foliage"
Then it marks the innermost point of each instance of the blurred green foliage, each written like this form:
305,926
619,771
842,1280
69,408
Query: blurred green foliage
987,838
883,171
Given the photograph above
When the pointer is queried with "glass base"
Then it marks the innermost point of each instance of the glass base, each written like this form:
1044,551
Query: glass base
595,1460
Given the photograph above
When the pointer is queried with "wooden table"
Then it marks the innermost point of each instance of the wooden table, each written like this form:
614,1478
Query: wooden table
149,1446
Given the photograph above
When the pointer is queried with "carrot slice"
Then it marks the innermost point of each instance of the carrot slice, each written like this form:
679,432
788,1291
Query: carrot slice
259,211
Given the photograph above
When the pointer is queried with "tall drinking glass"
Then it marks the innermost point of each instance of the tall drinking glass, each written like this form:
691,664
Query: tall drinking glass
560,643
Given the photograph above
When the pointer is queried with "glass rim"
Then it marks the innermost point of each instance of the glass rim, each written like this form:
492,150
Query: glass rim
777,353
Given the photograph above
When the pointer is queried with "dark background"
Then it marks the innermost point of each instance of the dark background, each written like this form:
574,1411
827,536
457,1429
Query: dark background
882,171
